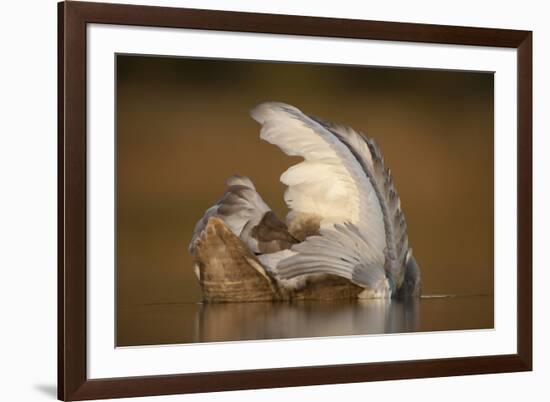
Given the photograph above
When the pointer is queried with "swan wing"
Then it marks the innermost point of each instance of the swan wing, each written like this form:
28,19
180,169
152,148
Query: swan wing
330,183
369,155
247,216
341,250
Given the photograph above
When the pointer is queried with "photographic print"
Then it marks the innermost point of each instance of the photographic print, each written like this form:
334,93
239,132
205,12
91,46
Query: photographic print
251,200
262,200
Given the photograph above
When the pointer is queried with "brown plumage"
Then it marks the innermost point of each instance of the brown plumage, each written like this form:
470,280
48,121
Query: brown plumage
227,270
272,234
326,287
304,225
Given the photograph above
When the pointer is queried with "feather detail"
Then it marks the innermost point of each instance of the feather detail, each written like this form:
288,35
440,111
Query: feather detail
330,183
369,155
343,251
241,208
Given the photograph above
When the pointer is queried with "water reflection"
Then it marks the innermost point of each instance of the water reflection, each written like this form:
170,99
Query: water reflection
246,321
177,323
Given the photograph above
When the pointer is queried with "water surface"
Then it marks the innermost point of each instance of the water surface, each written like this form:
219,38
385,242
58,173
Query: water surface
150,324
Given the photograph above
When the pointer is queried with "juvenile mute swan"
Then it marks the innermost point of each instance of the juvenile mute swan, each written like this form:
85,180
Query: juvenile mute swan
344,237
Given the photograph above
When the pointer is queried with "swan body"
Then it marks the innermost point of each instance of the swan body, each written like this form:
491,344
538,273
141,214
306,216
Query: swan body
344,237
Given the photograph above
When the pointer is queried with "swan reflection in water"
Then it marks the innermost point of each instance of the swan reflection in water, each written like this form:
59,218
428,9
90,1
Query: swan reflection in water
259,320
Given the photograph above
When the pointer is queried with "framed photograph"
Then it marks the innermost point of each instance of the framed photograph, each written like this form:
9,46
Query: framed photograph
253,200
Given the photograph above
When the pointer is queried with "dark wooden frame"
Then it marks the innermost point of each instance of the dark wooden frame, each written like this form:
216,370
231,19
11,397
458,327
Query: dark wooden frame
73,383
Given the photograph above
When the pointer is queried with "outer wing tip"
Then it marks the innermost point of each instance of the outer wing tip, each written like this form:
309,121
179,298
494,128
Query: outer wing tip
270,109
239,180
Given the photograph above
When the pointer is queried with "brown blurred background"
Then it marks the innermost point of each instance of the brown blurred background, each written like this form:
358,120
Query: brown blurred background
183,127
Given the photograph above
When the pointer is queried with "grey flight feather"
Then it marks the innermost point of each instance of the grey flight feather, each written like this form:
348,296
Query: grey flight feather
240,207
369,155
342,251
246,214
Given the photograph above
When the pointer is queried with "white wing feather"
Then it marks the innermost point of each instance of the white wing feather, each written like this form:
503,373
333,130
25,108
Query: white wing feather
368,153
330,182
343,251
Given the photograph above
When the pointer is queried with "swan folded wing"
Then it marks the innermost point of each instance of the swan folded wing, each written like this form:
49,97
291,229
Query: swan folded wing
247,216
241,208
341,250
330,183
